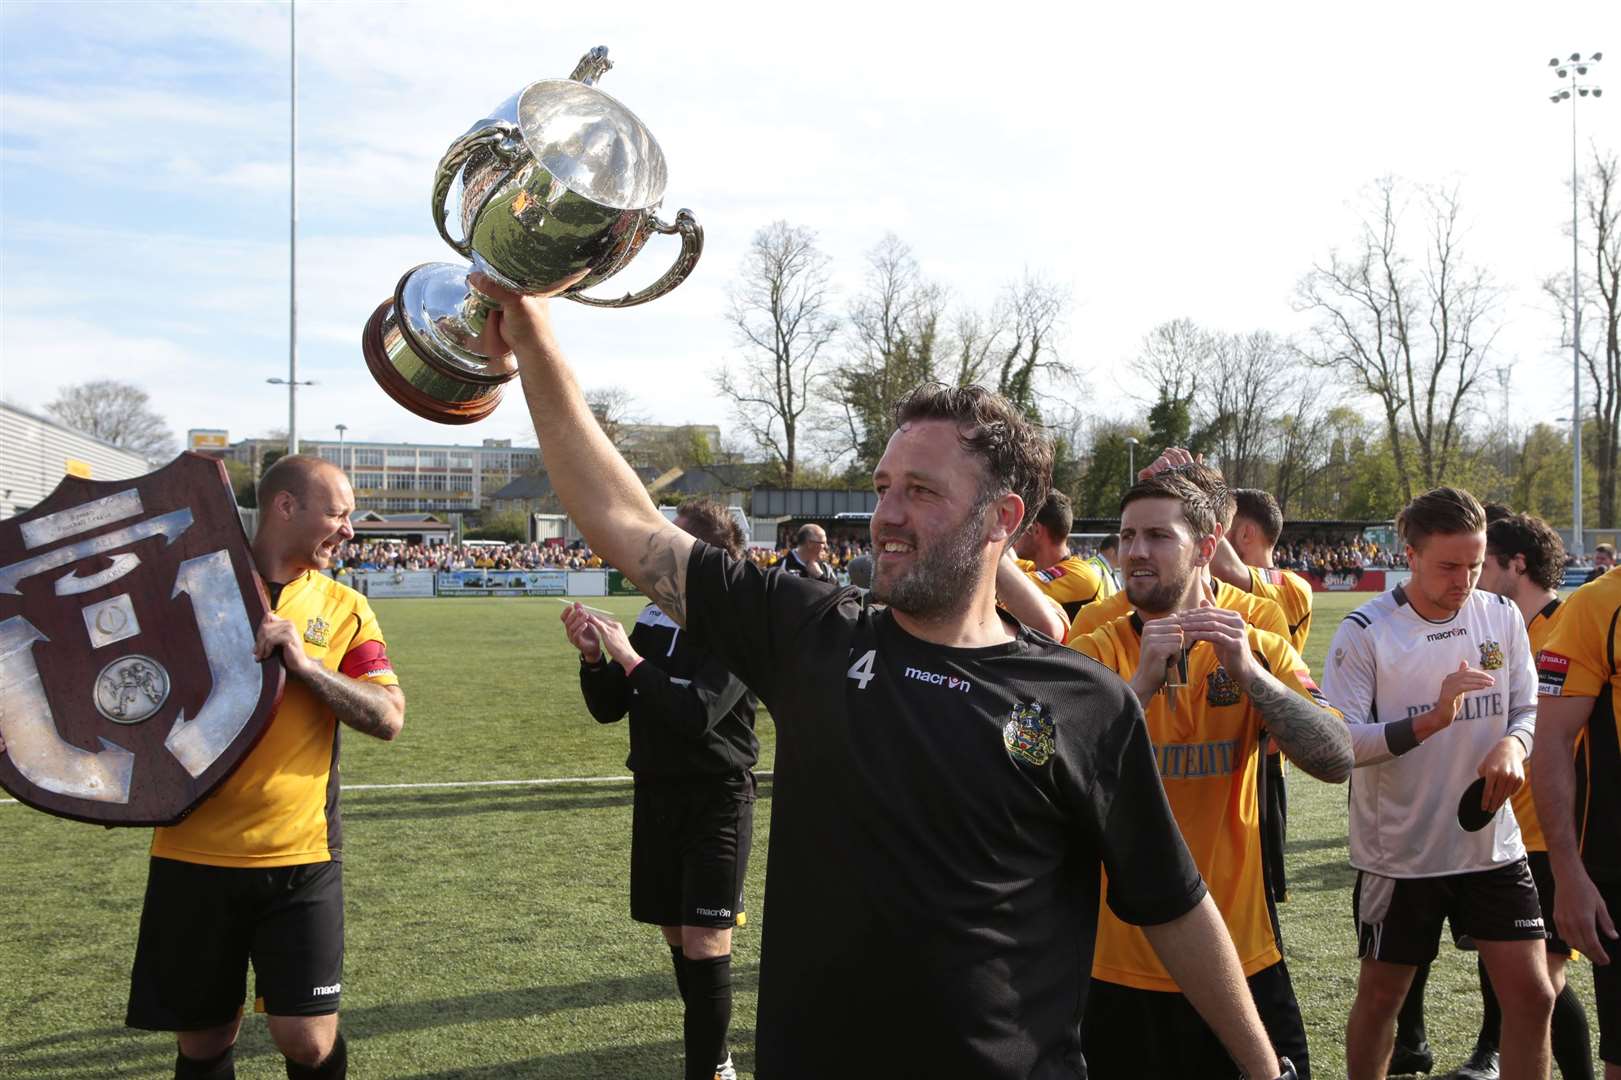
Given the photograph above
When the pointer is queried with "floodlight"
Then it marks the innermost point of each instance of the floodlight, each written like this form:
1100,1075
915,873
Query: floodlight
1575,56
1598,91
1596,57
1554,98
1582,90
1554,62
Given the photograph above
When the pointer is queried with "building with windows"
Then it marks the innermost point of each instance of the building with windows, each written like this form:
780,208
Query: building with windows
394,478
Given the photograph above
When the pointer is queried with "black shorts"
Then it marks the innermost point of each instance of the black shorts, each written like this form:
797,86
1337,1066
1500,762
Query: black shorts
1399,919
689,850
1155,1035
202,925
1542,874
1607,982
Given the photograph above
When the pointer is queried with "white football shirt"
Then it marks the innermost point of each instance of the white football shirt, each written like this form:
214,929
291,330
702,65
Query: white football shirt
1384,668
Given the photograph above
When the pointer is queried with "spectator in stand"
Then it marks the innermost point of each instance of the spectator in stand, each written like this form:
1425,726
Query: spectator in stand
806,558
1603,561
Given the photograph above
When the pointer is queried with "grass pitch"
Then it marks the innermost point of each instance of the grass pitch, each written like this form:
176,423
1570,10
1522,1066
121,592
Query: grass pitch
487,934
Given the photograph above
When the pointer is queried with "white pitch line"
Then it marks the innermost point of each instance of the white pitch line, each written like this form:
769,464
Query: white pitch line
549,781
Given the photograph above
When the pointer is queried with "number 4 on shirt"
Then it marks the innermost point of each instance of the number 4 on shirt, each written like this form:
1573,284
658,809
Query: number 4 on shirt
861,671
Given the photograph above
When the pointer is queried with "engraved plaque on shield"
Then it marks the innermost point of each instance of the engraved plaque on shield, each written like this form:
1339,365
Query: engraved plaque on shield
128,687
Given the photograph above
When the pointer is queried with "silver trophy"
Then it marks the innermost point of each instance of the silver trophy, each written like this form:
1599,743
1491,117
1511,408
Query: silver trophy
558,190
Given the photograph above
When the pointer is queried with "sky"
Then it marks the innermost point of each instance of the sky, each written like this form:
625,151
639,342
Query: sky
1157,161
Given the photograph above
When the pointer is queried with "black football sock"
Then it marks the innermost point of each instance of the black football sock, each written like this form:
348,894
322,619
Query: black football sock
222,1067
1572,1046
1410,1033
1491,1013
335,1067
709,1013
679,959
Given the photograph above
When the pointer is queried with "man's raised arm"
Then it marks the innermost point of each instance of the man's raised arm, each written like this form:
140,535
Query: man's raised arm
597,488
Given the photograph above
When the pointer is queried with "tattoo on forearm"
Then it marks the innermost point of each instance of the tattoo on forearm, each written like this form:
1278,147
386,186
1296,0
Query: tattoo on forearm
1312,736
663,573
367,708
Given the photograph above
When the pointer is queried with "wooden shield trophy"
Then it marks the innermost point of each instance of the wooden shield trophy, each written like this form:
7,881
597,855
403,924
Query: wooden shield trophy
128,609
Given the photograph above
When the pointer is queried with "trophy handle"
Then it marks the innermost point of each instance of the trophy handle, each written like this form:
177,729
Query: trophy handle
592,66
692,246
501,138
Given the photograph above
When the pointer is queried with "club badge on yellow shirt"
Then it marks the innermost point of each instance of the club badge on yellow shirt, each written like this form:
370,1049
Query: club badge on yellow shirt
1029,733
316,631
1221,689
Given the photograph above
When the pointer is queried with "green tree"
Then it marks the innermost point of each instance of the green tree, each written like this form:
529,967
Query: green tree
510,526
242,483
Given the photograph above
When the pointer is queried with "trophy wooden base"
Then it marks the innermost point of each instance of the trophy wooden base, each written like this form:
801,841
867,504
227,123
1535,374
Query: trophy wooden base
397,386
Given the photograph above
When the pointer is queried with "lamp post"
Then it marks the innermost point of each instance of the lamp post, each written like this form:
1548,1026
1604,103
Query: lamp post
292,386
341,429
1574,69
1131,460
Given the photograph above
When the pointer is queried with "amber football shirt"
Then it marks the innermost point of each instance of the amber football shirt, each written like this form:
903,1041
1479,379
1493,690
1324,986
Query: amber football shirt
1206,745
1071,582
280,806
1525,809
1292,594
1258,611
1578,660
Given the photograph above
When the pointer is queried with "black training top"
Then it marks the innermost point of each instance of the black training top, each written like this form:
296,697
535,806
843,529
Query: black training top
940,820
689,716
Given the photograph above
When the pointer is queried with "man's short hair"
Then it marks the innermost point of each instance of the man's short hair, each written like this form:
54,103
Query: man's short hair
1198,508
712,523
1604,549
1442,511
1496,511
1524,534
1209,480
1056,515
805,532
290,473
1260,507
1109,543
1016,457
860,569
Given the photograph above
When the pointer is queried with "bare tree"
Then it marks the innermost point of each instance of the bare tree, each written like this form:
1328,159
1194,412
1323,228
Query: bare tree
116,412
1412,333
614,407
1301,440
893,332
781,315
1025,353
1171,358
1245,377
1600,318
973,346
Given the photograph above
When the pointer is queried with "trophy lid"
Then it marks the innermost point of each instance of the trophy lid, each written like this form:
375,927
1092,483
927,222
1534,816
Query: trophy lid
593,144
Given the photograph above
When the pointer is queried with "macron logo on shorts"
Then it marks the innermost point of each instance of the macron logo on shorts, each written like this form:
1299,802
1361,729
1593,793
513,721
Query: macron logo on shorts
327,991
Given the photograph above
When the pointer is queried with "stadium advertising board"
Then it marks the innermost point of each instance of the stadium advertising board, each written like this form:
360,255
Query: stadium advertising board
393,584
620,585
503,583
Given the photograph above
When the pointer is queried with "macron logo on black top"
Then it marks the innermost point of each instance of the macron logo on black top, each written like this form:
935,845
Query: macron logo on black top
950,682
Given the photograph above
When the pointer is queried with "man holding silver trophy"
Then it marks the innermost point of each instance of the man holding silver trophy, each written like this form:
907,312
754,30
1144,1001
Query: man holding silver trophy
950,786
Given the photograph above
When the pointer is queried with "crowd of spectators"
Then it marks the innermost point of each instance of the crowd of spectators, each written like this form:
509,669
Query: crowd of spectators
388,555
392,555
1341,556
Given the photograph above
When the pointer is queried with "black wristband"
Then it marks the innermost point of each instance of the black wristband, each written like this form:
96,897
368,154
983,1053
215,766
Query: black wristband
602,662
